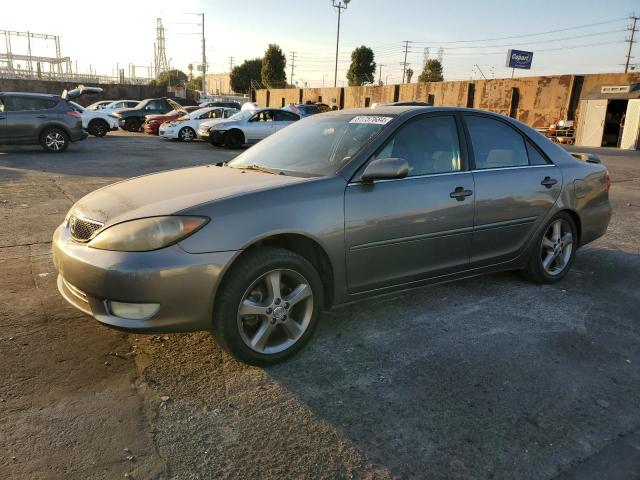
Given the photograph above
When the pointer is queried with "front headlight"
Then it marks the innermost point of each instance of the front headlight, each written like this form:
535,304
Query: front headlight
147,234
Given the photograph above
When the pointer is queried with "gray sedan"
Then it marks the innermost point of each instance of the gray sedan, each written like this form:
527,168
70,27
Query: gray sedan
337,207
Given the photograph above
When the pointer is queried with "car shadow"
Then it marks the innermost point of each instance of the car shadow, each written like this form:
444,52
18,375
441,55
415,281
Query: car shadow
490,377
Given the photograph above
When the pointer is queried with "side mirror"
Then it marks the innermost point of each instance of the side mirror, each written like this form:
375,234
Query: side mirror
385,169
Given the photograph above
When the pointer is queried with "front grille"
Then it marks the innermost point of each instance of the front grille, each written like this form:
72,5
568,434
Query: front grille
82,229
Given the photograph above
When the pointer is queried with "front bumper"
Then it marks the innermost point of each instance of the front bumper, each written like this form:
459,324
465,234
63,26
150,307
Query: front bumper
168,133
151,128
183,284
203,135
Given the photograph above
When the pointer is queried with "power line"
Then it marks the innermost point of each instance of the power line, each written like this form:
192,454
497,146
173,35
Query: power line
577,27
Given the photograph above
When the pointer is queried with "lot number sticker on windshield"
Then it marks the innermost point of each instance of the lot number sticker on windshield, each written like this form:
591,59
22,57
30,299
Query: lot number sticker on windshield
371,119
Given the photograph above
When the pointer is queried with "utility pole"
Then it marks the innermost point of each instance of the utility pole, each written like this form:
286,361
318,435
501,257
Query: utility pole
204,61
405,64
481,72
293,63
231,61
380,65
632,28
340,5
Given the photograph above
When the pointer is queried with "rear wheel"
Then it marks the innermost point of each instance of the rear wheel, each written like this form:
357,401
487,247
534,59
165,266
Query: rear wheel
98,128
54,140
268,306
187,134
132,124
555,250
233,139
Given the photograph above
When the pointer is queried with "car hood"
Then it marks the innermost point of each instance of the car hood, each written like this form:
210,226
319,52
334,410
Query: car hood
160,117
220,122
170,192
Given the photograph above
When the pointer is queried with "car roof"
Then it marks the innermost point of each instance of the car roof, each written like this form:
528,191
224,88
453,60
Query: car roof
407,109
31,94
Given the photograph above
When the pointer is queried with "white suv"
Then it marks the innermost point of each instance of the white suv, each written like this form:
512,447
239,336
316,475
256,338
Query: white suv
97,122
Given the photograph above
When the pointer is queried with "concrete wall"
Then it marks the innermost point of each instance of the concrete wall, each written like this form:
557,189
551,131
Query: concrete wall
539,101
111,91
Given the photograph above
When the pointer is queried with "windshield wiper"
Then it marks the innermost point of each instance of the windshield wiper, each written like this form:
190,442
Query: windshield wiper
260,168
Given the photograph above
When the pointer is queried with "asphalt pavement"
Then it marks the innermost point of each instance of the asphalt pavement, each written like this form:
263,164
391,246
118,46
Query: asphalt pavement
490,377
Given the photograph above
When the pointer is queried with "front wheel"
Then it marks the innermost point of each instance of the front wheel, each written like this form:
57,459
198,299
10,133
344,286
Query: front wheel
233,139
186,134
132,124
98,128
268,306
554,251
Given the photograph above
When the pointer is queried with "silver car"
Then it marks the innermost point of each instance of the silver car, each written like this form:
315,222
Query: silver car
249,126
337,207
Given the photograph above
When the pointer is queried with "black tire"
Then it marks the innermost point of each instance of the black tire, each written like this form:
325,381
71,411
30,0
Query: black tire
233,139
132,124
187,134
535,270
215,144
236,284
54,140
98,128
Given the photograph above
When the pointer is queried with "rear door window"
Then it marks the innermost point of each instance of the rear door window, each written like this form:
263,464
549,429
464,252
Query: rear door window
535,157
282,116
495,144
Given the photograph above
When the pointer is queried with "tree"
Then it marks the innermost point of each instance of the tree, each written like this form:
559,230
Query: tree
362,66
170,77
195,83
432,71
241,75
409,74
273,65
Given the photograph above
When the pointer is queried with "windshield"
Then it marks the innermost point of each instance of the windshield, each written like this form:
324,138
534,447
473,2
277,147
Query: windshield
97,105
244,115
77,106
316,146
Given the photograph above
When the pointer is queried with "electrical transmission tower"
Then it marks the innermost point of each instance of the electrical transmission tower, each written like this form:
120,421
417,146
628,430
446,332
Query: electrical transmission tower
293,64
160,55
231,61
440,54
632,28
425,57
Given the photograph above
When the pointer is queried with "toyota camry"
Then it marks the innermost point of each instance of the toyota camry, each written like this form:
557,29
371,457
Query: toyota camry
337,207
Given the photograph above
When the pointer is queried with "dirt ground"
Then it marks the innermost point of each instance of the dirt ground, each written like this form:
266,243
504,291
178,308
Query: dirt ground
485,378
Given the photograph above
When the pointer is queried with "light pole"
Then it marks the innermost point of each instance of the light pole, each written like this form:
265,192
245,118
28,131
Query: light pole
340,5
380,72
323,79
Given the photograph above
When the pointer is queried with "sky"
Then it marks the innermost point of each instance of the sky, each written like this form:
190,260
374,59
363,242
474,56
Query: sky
587,36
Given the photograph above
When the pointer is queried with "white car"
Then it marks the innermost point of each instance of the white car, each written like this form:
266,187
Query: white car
247,127
185,127
108,106
97,122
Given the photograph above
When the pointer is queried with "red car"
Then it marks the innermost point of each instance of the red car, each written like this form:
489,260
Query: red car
152,122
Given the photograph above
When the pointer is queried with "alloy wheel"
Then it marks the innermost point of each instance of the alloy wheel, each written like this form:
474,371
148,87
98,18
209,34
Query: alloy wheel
54,141
557,247
275,311
186,134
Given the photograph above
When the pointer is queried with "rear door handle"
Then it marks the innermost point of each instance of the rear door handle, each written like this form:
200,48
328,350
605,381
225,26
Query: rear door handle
460,193
41,116
548,182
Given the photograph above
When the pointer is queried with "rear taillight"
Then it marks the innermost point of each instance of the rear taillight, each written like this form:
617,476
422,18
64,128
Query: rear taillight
73,113
607,181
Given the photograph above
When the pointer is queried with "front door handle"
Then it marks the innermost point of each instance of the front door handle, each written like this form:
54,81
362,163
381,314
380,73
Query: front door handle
41,116
548,182
460,193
